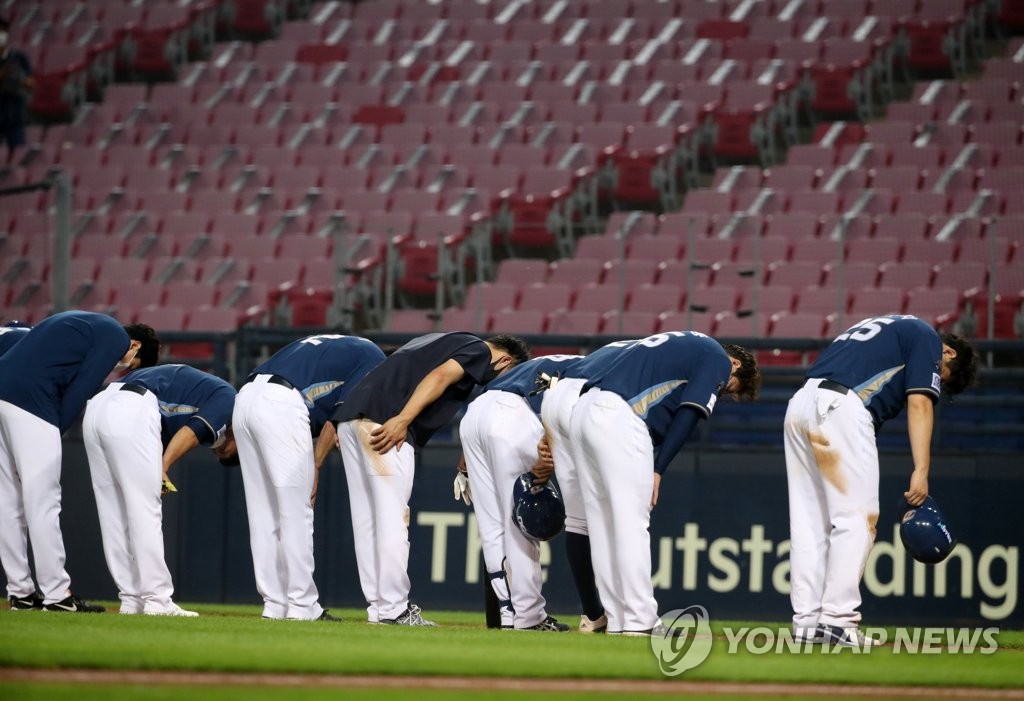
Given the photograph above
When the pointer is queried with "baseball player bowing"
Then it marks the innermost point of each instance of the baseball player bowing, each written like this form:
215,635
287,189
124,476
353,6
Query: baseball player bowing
556,413
865,377
45,380
283,405
636,410
135,430
500,435
395,409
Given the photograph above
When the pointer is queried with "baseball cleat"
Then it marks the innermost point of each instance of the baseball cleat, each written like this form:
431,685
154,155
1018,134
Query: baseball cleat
74,604
325,616
26,603
549,624
412,616
658,631
597,625
808,635
171,609
844,637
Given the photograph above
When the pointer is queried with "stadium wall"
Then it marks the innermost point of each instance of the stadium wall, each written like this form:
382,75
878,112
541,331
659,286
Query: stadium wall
719,538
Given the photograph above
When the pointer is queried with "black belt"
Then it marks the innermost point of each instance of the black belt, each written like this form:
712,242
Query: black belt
275,380
138,389
833,386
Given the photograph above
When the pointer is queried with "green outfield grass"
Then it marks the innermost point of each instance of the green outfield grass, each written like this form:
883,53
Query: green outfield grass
235,639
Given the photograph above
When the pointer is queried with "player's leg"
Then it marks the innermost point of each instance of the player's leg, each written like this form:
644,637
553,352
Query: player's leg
596,504
37,453
356,461
284,440
511,454
260,505
853,509
808,515
390,489
624,471
13,529
556,413
473,433
110,503
135,454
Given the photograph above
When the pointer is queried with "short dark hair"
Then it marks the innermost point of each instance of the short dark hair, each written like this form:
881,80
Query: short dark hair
513,345
149,353
5,23
963,369
747,374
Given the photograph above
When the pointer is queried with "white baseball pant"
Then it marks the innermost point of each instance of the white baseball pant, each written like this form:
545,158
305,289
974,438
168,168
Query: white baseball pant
275,448
613,451
499,436
379,487
30,456
556,414
832,473
122,439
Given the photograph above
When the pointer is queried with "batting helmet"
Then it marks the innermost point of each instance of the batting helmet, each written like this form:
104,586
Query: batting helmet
17,325
537,509
924,532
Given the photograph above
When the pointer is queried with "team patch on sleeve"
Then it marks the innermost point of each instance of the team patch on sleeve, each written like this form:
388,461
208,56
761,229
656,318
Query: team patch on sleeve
936,382
711,402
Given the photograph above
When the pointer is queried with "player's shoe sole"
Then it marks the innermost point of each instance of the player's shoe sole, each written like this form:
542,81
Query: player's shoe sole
73,604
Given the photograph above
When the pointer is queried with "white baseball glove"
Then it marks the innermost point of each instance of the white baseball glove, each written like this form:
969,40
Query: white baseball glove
462,488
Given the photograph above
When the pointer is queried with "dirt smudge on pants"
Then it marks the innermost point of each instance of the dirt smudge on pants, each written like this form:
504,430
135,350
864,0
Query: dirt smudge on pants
828,460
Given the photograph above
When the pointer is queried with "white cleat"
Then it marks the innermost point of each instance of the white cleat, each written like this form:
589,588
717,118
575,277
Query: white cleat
599,625
170,610
844,637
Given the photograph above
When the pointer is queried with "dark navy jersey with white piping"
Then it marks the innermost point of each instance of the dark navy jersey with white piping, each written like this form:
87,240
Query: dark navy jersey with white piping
883,359
9,337
522,379
187,397
324,369
661,374
383,393
55,368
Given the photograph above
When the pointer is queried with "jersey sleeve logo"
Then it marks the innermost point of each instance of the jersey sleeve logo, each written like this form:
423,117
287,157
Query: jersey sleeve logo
936,382
711,402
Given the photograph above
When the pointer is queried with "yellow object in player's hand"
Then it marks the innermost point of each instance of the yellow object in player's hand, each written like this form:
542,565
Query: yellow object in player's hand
167,486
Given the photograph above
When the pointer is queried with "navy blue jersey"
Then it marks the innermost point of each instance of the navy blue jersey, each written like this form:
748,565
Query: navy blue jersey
60,363
522,379
884,359
597,359
324,369
10,336
385,390
660,374
187,397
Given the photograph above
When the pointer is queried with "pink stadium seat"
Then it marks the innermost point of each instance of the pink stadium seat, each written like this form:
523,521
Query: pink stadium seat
651,247
797,325
521,321
522,271
874,301
906,275
160,317
414,321
732,325
629,324
767,300
714,298
656,298
685,321
576,272
546,296
572,323
596,297
796,274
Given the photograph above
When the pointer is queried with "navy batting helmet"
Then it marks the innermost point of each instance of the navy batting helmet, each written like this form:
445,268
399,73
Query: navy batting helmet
537,509
924,532
17,325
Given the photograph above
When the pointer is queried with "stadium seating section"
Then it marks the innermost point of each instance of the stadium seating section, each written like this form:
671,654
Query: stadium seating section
438,144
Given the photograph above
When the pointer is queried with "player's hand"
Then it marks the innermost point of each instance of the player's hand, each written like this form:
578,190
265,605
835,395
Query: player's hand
544,454
166,486
915,496
316,482
391,434
657,486
542,471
